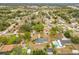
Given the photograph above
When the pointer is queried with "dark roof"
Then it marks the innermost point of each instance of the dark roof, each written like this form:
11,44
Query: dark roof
63,42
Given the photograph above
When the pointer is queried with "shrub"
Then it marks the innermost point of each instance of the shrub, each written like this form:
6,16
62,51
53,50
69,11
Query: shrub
68,33
39,52
27,36
18,51
75,40
3,39
14,40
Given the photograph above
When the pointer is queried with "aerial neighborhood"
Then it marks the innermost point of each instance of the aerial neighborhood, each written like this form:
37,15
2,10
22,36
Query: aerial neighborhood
39,30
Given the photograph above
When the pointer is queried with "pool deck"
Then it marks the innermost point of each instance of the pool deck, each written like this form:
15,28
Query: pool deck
37,46
34,45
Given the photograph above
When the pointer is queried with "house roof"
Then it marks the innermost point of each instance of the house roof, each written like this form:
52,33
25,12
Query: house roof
64,42
59,35
6,48
65,50
69,49
76,46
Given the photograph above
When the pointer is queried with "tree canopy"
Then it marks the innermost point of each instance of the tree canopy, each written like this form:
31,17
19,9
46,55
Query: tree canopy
39,52
68,33
27,36
38,27
75,40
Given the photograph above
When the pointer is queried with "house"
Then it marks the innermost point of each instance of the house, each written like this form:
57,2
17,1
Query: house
6,48
63,51
65,41
75,51
58,36
69,49
60,43
60,21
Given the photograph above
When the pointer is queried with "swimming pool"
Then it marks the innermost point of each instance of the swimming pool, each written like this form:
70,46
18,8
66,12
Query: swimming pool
41,40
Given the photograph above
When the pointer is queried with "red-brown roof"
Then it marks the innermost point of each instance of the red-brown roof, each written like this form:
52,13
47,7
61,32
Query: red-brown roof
6,48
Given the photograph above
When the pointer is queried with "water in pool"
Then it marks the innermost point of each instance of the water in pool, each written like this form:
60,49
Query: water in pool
41,40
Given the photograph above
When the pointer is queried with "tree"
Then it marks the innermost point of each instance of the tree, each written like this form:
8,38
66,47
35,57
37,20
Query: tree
65,17
24,52
26,27
38,27
33,17
18,51
54,30
27,36
39,52
68,33
76,14
3,25
3,39
54,50
75,40
14,40
10,40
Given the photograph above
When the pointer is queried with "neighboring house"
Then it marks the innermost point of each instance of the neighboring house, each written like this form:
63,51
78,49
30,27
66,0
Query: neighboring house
75,51
58,36
70,49
61,21
59,43
64,38
6,48
65,41
64,51
74,24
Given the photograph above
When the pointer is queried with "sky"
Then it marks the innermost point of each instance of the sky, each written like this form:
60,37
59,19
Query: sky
39,1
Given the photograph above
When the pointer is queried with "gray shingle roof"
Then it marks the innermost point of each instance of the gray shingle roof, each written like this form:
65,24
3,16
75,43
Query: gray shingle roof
64,42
